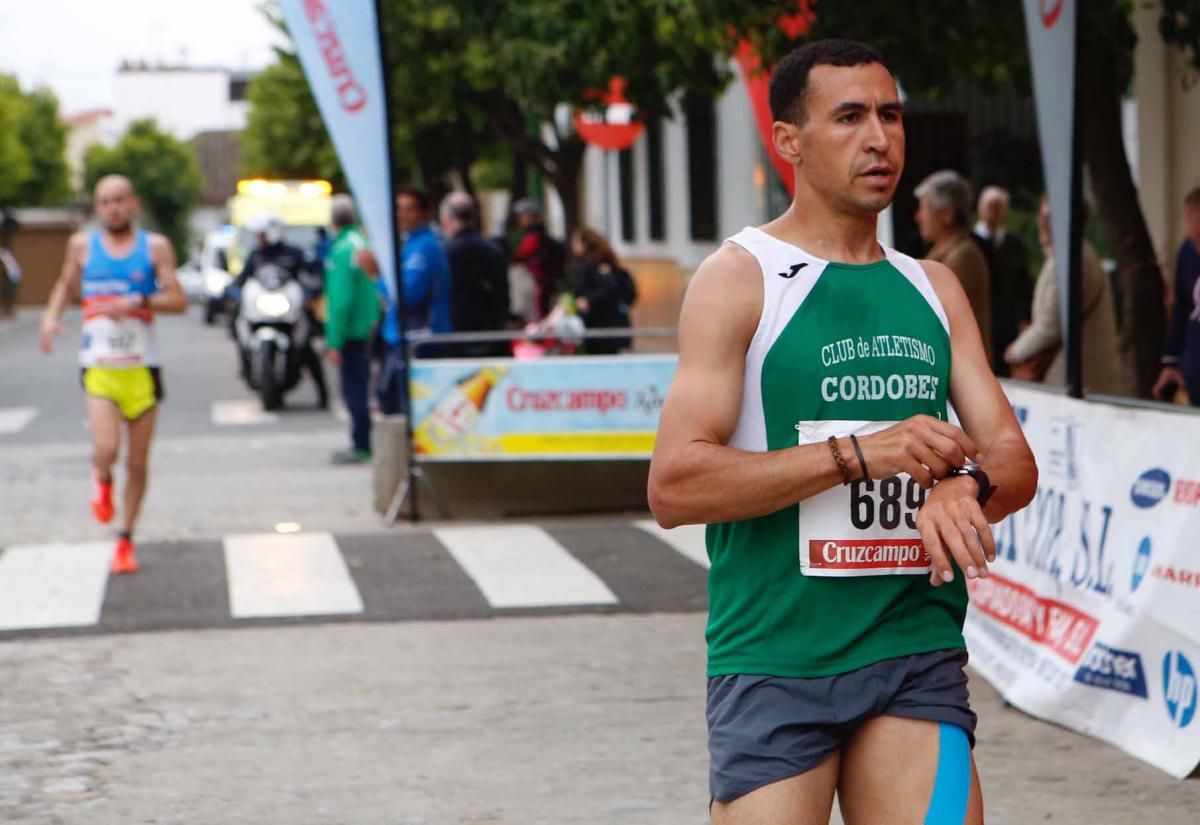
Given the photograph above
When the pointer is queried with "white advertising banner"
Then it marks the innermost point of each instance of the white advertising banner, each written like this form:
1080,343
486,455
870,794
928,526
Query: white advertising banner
338,46
1050,26
1091,617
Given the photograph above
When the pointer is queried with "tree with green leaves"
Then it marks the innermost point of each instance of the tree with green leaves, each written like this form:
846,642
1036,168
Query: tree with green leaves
163,169
467,75
516,70
16,168
45,139
284,136
33,164
952,41
466,72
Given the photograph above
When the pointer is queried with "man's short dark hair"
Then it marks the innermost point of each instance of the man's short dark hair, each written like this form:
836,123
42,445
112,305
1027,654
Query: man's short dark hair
1192,198
416,193
789,81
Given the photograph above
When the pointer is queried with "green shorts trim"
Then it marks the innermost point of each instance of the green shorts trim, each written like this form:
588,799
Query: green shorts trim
135,390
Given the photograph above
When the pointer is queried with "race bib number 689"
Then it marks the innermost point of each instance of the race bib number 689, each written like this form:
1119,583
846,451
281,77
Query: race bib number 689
868,528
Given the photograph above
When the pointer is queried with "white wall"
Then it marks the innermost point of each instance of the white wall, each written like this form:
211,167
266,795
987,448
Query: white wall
740,201
183,102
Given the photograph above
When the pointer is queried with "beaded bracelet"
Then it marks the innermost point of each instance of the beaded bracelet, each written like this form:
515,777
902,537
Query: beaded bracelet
837,457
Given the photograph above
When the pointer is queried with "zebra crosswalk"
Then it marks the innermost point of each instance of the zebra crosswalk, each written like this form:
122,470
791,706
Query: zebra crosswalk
448,572
15,419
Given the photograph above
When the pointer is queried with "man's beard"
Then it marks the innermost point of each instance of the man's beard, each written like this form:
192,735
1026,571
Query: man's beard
119,228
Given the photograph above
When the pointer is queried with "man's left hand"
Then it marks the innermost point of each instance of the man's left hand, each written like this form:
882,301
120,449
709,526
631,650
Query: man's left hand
953,526
334,357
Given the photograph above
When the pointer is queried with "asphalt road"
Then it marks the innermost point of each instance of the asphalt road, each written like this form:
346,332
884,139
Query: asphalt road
285,657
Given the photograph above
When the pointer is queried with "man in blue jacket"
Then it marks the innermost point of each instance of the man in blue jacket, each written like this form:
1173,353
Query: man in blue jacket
425,275
1181,353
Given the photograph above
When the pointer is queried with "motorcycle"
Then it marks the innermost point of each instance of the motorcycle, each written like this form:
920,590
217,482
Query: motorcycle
272,331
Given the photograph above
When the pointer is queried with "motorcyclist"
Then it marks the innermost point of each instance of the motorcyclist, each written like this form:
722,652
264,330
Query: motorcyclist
272,249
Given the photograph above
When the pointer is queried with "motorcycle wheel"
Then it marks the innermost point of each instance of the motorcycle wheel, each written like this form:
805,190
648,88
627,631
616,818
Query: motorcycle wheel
268,385
210,312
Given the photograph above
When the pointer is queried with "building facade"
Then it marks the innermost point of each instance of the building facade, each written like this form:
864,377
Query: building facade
183,100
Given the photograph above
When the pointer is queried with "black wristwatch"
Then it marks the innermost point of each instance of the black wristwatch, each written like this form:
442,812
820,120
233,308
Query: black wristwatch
976,472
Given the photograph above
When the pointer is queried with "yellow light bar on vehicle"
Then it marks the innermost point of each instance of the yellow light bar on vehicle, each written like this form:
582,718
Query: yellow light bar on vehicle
259,188
315,187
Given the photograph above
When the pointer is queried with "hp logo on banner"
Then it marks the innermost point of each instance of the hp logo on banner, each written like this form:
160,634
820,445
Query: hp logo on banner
1179,684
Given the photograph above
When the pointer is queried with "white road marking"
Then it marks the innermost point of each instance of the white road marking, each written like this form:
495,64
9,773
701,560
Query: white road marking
239,413
522,566
53,585
687,539
15,419
302,574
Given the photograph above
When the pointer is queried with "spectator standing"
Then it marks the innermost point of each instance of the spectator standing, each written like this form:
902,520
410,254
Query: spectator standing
479,298
544,256
1037,353
351,313
425,277
1181,352
944,203
1008,268
604,290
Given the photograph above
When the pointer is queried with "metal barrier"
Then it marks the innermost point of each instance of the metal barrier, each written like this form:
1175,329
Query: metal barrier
443,344
417,340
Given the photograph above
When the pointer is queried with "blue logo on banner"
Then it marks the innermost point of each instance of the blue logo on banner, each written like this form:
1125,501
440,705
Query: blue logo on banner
1179,685
1151,487
1112,669
1022,414
1141,564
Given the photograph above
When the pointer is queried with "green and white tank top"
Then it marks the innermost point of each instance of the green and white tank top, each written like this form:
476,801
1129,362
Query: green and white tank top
840,580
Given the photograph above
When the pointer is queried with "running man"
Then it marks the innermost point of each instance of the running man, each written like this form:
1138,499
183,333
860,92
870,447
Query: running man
125,276
808,426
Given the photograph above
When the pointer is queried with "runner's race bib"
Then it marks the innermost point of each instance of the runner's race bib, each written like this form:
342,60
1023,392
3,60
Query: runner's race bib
114,342
866,528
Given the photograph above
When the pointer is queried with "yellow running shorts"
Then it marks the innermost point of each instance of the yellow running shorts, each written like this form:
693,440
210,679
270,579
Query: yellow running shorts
133,389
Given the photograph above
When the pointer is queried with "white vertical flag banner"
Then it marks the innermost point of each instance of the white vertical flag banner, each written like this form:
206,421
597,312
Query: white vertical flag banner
338,46
1050,26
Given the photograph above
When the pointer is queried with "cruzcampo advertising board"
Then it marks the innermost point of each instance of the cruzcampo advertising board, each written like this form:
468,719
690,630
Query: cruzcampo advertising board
550,408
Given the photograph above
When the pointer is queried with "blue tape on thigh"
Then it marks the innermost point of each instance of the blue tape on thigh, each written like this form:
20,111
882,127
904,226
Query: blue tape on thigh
952,785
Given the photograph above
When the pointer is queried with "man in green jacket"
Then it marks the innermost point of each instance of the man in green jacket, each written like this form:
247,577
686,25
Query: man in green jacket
351,312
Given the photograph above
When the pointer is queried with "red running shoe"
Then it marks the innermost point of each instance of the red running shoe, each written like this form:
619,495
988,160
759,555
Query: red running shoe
123,560
102,504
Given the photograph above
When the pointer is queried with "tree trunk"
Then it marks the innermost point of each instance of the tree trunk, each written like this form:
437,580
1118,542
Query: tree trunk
1143,324
568,167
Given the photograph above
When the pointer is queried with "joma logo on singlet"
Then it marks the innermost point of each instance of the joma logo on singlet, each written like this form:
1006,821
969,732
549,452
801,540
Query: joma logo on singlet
792,270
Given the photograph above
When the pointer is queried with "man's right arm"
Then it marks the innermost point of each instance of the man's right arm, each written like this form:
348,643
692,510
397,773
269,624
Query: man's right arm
68,280
694,477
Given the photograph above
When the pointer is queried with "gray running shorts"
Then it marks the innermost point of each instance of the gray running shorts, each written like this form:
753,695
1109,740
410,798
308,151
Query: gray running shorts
765,728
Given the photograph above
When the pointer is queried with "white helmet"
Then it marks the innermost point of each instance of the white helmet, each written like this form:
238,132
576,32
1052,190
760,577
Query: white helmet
268,225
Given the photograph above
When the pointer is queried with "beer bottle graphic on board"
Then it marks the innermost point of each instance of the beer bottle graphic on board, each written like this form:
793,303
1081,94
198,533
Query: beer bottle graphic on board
455,413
